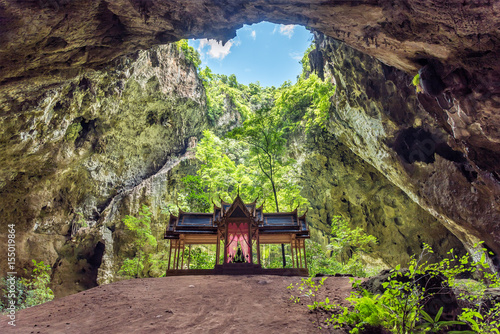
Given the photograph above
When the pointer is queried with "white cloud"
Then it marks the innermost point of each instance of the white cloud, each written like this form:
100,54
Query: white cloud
253,34
216,49
295,55
287,30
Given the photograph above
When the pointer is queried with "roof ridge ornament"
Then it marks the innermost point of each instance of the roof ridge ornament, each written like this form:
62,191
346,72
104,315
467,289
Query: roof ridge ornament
305,213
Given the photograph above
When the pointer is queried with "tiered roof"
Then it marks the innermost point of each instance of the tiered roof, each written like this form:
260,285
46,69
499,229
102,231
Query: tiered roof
207,223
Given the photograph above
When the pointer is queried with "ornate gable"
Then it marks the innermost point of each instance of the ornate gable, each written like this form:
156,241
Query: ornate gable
238,209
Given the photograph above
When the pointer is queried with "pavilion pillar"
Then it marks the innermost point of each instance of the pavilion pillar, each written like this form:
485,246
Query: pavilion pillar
250,242
258,248
296,252
300,252
179,245
305,255
217,249
169,253
225,246
292,245
283,255
174,264
182,259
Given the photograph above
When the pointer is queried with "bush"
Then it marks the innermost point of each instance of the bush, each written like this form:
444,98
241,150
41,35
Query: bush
144,241
344,251
189,52
408,303
29,291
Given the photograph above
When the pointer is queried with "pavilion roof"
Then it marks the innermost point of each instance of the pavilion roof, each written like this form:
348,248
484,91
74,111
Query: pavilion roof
207,223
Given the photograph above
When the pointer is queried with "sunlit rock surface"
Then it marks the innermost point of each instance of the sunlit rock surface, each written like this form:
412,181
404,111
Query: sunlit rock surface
338,182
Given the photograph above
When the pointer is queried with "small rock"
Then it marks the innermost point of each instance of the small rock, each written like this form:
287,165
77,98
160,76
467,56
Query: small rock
263,282
191,286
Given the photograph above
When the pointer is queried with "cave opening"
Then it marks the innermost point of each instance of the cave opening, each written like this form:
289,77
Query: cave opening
95,261
265,53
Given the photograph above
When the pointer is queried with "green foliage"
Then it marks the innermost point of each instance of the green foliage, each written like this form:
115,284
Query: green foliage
144,240
481,322
306,66
141,226
253,159
344,251
435,325
189,52
225,93
305,104
29,291
366,310
263,131
81,221
228,165
309,287
271,256
38,289
222,173
201,258
72,132
416,82
197,199
400,308
269,115
132,267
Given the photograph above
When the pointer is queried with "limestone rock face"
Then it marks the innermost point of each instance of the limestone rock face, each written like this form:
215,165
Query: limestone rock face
79,156
338,182
406,137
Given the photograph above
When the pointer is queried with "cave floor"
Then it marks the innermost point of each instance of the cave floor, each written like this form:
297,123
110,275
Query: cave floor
183,304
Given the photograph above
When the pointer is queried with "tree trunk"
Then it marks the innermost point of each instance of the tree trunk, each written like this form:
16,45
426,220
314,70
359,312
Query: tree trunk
278,210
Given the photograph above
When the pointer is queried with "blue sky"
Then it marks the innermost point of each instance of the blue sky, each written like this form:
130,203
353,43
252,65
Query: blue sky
264,52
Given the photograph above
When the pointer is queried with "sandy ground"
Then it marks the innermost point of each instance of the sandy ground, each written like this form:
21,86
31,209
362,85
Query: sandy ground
183,304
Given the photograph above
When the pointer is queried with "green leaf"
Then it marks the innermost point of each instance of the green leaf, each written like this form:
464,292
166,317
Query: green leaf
438,315
427,316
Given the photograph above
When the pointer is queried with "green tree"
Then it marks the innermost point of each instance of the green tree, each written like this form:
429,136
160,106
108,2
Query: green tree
143,241
197,198
189,52
306,104
344,250
263,131
30,291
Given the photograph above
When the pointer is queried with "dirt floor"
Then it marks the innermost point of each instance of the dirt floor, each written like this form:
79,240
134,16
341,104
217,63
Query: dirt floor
183,304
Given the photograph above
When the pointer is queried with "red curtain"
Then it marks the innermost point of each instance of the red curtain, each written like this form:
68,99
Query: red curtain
238,233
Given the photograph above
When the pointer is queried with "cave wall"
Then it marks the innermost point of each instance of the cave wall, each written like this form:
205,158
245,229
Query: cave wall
338,182
379,116
98,145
